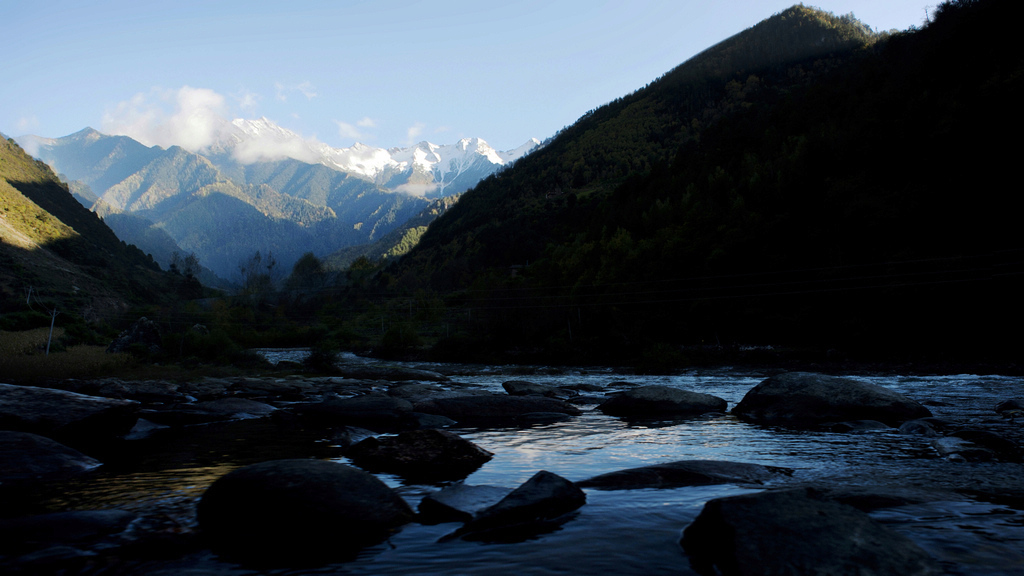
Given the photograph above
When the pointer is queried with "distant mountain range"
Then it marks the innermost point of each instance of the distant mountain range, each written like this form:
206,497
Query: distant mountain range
260,187
425,169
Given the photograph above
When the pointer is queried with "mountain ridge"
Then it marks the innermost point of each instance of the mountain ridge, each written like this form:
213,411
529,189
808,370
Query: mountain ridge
306,206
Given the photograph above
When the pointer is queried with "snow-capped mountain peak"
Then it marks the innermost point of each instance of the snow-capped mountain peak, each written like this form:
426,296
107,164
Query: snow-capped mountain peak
437,170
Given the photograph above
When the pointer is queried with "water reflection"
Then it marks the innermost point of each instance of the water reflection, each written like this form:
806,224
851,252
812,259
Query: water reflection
630,531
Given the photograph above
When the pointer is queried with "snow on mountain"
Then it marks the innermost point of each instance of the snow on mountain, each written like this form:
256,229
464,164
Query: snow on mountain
425,169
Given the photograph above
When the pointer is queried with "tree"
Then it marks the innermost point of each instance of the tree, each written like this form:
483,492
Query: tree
257,273
308,273
187,267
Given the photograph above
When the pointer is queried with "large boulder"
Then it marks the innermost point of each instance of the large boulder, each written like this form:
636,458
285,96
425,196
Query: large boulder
661,401
144,332
65,416
459,502
539,504
493,409
379,413
802,399
685,473
26,458
792,532
299,509
420,455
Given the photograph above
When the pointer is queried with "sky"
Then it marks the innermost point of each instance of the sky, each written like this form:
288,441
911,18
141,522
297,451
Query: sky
385,73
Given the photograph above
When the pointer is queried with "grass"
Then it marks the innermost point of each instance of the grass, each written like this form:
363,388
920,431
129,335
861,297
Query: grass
23,361
74,362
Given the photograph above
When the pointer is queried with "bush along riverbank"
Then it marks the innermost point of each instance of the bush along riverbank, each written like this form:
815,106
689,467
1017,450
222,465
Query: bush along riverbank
413,468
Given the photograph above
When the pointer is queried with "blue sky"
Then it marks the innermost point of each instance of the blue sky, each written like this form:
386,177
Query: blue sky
385,73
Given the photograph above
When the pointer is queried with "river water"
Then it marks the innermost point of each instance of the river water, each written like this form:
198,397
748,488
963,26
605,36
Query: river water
628,531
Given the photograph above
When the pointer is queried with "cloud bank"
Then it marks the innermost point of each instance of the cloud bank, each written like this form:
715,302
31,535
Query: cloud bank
192,118
197,119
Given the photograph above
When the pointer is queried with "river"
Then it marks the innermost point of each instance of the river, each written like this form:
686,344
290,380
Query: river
628,531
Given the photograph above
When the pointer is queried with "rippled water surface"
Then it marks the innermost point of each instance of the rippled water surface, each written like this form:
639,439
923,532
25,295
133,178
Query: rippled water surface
630,531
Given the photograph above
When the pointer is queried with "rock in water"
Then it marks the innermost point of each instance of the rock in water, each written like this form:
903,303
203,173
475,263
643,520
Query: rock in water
27,458
299,510
459,502
790,532
66,416
661,401
537,505
421,455
493,409
684,473
524,388
802,399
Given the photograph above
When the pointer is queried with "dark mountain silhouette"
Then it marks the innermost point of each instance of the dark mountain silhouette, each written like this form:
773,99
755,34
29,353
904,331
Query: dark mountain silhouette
806,182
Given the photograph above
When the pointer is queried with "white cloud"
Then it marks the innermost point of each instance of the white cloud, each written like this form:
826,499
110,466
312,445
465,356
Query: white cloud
189,117
416,189
367,123
266,147
27,123
414,132
247,101
348,131
305,88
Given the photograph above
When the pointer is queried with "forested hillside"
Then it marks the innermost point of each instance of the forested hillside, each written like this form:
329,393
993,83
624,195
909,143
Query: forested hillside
57,255
804,183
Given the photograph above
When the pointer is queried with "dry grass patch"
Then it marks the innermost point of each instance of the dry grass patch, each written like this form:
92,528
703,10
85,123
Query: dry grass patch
26,342
75,362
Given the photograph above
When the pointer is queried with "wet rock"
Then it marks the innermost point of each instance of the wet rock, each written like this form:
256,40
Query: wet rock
380,413
21,535
791,532
143,332
920,427
424,421
271,388
685,473
655,401
208,411
493,409
1012,408
27,458
390,373
65,416
459,502
207,388
144,429
871,498
420,455
802,399
583,387
853,426
1004,448
960,450
235,408
299,509
414,392
524,388
532,418
540,503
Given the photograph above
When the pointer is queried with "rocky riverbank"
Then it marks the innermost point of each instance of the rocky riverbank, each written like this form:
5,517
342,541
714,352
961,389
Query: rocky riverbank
392,419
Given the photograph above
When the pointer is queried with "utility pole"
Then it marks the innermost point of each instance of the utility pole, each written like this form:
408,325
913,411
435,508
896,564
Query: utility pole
53,318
